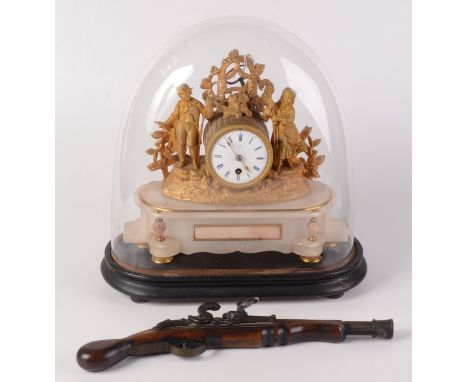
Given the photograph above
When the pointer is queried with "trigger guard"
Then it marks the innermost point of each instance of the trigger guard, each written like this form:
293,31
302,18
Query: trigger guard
187,348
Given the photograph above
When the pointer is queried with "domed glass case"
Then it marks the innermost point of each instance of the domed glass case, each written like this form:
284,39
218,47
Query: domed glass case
231,177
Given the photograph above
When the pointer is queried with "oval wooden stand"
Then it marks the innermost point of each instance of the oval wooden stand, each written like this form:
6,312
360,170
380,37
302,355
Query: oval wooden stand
188,278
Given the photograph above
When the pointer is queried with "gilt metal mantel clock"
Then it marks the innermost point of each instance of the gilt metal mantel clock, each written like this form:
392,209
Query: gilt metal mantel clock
239,156
233,202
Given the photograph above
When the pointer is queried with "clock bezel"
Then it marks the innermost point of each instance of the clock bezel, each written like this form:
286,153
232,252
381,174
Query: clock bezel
238,127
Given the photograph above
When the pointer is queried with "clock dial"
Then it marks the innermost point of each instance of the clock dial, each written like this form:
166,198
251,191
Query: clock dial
240,157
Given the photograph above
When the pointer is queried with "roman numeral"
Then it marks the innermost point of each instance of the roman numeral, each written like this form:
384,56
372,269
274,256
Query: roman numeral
251,139
220,156
221,165
227,174
248,175
240,137
258,148
229,139
260,158
256,168
238,176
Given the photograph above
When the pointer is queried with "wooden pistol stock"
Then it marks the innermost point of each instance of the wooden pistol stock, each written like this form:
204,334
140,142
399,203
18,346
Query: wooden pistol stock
189,337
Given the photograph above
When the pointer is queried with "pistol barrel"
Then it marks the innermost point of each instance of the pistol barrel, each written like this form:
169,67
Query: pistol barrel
374,328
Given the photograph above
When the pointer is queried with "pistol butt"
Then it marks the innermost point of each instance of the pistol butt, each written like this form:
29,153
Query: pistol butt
100,355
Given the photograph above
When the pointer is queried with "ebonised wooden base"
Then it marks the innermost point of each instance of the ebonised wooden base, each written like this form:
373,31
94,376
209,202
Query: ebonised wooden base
203,276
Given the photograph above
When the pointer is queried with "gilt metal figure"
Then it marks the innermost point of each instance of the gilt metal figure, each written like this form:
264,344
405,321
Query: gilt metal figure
235,97
184,123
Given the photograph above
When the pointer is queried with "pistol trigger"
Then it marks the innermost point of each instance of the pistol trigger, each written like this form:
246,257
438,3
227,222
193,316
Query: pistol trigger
187,348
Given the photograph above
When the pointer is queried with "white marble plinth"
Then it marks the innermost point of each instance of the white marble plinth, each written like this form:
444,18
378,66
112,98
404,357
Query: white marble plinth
292,216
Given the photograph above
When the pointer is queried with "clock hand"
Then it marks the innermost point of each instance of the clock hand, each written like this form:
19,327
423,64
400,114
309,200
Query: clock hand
238,157
232,148
245,166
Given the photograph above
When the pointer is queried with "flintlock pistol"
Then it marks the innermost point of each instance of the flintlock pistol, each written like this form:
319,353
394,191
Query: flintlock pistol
189,337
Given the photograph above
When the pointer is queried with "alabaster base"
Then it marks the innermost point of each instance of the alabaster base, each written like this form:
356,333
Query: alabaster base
202,227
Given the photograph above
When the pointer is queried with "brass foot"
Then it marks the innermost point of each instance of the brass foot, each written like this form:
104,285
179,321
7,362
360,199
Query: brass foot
161,260
315,259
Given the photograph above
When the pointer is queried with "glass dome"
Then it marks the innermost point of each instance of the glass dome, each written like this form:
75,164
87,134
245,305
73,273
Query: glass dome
269,221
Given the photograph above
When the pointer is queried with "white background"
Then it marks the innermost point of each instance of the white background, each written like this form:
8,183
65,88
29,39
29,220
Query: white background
102,48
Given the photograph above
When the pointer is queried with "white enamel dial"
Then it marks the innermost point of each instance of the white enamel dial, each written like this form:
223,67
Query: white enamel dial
239,157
